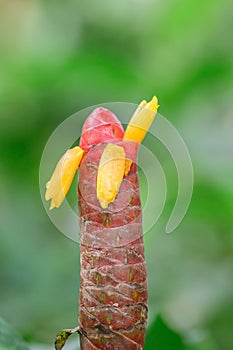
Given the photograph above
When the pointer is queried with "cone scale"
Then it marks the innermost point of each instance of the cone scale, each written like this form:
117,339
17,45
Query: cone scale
113,287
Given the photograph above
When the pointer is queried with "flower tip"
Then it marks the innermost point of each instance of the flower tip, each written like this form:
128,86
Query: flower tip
153,104
53,204
103,204
143,103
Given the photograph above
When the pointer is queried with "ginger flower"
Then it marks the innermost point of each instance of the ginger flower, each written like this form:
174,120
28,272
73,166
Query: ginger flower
59,184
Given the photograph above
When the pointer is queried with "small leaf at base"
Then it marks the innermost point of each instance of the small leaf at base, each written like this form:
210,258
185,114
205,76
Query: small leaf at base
62,337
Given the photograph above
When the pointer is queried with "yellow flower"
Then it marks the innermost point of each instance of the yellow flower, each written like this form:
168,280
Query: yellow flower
59,184
110,174
113,164
141,120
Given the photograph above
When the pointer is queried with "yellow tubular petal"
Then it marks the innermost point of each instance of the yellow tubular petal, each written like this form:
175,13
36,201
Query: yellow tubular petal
141,120
110,174
59,184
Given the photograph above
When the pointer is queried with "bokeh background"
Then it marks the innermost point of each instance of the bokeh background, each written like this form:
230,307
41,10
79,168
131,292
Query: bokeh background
57,57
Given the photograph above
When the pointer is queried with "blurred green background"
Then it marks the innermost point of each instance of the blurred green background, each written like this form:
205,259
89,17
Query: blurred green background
57,57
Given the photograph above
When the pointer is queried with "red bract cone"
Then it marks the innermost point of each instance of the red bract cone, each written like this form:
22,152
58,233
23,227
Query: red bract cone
113,286
113,292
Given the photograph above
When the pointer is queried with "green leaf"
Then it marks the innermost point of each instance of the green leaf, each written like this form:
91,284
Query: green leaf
9,338
159,336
